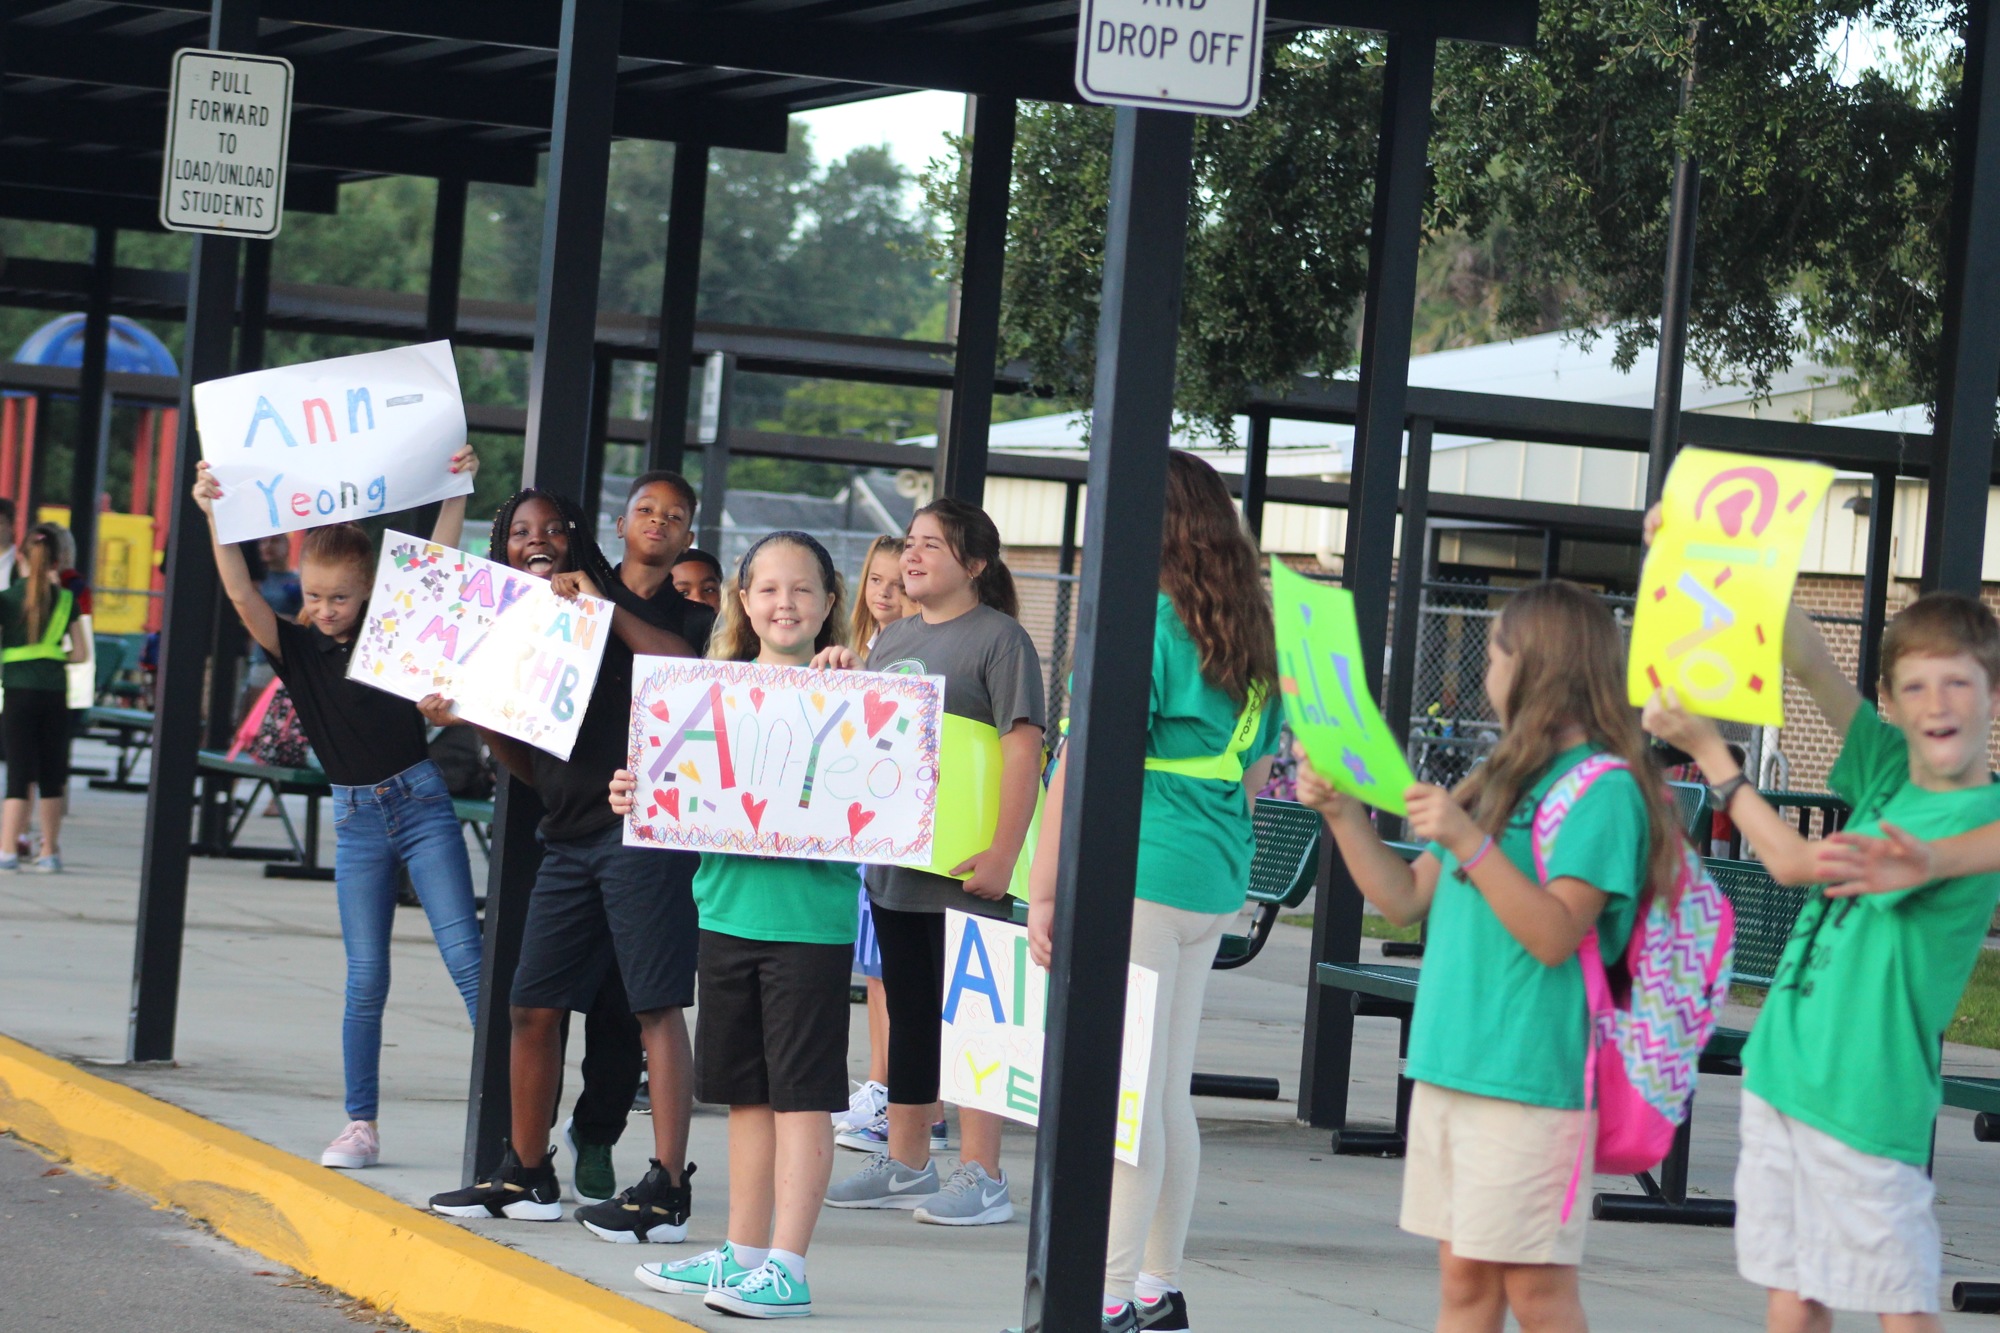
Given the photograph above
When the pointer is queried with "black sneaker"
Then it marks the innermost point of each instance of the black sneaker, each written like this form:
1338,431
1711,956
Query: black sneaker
653,1210
524,1193
1169,1312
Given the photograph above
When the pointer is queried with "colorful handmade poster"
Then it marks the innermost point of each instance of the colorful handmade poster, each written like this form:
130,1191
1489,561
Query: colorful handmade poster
332,441
784,761
996,1007
511,655
1717,582
1324,685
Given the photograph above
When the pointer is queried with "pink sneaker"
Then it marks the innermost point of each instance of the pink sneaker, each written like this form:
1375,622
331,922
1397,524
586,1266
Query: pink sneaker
357,1146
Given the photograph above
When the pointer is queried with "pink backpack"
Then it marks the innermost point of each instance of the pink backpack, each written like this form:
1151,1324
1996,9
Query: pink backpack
1642,1062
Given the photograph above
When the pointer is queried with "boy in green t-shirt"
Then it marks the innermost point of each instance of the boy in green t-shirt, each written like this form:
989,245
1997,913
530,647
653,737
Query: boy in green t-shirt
1841,1074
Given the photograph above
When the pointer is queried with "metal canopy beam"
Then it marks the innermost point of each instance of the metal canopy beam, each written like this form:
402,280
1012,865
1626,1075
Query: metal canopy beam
961,470
134,123
447,259
446,93
118,173
1969,371
1137,332
190,608
555,455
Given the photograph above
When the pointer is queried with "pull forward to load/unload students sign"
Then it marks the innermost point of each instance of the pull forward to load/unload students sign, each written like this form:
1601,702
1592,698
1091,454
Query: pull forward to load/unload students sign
1204,56
1717,584
229,120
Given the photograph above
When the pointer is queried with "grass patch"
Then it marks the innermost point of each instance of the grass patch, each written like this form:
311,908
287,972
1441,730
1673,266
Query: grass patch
1372,926
1977,1022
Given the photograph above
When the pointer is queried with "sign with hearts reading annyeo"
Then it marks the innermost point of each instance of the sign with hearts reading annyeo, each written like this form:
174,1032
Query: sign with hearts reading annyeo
784,761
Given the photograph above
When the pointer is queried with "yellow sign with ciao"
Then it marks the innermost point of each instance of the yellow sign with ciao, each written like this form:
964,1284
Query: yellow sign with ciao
1712,599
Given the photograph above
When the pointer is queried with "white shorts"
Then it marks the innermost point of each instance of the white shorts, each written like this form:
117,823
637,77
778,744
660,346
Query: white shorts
1490,1176
1848,1229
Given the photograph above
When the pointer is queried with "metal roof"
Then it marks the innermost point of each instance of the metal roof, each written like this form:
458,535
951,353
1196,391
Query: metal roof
465,88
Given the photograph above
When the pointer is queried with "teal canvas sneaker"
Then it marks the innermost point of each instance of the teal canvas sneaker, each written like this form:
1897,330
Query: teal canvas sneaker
770,1292
692,1277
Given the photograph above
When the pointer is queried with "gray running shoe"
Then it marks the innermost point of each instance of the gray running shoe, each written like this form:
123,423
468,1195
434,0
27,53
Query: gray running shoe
885,1183
971,1198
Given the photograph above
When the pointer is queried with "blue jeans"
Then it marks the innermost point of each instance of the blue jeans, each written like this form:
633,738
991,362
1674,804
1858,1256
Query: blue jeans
405,821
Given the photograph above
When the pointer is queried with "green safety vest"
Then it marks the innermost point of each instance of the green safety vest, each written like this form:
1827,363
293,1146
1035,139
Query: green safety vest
51,646
1227,766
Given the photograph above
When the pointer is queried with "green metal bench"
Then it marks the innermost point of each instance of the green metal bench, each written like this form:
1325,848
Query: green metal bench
129,731
477,816
1379,990
1697,820
302,860
1282,873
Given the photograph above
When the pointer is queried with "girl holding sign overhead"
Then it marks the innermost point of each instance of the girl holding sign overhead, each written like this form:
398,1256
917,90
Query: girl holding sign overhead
1566,827
965,631
1212,726
391,807
777,937
598,904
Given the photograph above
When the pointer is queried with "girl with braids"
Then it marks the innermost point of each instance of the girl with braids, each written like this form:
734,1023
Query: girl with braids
598,904
776,941
1211,728
41,635
391,806
964,630
1498,1129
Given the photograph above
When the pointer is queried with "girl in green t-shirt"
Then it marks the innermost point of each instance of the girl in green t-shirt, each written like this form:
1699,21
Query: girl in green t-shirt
1211,727
777,941
1498,1133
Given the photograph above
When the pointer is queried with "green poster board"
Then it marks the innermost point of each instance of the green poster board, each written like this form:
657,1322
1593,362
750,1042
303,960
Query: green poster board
1325,688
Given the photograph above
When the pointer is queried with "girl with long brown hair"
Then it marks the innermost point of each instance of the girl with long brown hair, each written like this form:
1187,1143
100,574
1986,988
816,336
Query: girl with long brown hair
1498,1130
1212,726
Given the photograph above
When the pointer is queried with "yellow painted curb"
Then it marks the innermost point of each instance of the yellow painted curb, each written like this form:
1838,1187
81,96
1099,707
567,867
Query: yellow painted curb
431,1274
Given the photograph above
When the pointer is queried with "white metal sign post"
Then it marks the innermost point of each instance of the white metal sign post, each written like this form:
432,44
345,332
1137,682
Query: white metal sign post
228,127
1172,55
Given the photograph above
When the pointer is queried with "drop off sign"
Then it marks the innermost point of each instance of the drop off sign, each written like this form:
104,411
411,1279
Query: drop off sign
1177,55
228,121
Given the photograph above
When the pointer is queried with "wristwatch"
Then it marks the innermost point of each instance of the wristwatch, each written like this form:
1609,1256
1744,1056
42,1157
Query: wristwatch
1722,792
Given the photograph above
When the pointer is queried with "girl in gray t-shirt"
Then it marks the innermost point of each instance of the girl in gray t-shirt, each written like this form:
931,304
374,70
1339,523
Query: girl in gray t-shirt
965,631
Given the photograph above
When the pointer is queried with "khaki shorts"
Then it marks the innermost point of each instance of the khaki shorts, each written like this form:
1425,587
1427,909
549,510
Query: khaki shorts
1836,1225
1489,1176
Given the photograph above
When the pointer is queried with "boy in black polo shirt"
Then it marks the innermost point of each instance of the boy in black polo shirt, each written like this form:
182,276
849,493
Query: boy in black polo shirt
594,897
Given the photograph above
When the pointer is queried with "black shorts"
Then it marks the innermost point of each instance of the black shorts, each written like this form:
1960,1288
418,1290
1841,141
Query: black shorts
773,1025
596,899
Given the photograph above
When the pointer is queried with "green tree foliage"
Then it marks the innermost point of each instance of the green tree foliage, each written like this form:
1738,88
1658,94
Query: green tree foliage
1820,228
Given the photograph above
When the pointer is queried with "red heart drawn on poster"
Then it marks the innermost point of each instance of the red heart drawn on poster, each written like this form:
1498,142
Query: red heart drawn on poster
659,710
754,809
756,698
668,800
877,711
1729,511
858,819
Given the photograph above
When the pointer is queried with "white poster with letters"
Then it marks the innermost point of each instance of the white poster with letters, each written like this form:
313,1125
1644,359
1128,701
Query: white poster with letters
332,441
996,1006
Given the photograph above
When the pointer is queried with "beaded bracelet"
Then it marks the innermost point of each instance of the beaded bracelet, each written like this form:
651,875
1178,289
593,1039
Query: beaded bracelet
1465,867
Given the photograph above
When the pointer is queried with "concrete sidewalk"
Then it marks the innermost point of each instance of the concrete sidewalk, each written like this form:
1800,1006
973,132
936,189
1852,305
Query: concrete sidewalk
1286,1236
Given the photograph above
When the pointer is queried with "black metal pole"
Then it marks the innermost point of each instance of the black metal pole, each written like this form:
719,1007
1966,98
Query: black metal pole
553,455
592,498
1875,582
961,460
93,406
1969,370
1257,473
1400,173
680,292
256,318
1137,332
190,606
447,259
715,464
1678,292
